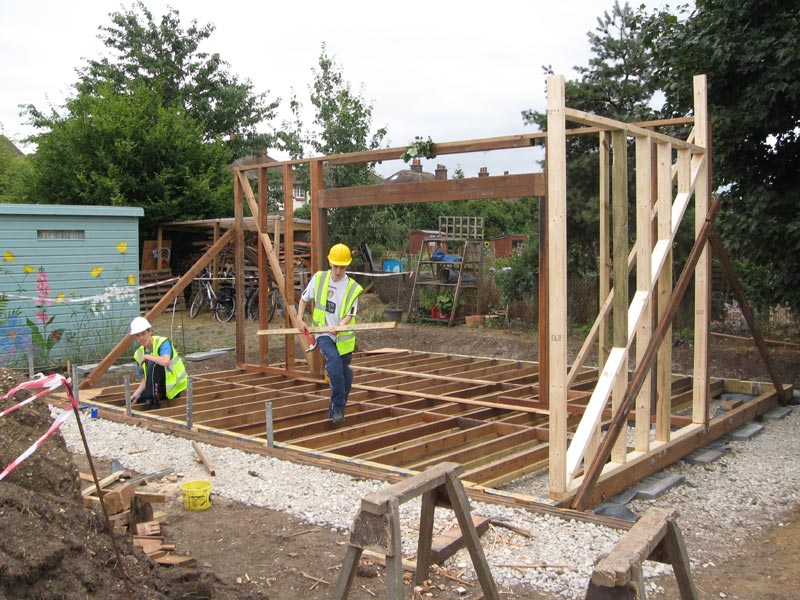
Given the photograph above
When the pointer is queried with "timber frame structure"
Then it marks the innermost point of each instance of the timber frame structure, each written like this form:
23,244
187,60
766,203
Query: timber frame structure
499,418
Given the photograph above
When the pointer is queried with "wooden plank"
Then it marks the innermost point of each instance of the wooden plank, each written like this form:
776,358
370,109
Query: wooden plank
145,496
377,503
103,483
556,270
171,560
474,188
203,458
327,329
616,568
450,542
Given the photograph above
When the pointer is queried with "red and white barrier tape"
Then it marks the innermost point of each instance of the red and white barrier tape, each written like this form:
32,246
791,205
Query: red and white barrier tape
46,385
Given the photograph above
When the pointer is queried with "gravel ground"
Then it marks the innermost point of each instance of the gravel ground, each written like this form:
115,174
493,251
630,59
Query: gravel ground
722,505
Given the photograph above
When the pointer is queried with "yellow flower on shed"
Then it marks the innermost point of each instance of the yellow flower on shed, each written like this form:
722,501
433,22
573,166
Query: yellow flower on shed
8,256
122,247
96,271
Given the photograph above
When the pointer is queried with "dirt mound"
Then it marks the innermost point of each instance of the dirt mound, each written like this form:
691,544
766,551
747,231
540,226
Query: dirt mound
51,546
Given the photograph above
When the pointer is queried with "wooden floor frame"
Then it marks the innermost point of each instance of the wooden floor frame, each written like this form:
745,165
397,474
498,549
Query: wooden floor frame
501,419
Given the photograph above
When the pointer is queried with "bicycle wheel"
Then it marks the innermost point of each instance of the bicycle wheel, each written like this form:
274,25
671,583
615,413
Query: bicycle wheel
272,303
251,309
225,308
197,304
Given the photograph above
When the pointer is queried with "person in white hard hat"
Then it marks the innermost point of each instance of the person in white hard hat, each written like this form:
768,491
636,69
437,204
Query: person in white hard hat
157,362
335,298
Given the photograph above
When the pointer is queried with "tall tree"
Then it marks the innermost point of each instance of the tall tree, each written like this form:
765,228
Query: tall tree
153,125
616,83
130,150
15,173
750,52
342,123
166,57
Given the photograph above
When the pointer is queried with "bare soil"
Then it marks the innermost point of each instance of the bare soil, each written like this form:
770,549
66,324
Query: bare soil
52,547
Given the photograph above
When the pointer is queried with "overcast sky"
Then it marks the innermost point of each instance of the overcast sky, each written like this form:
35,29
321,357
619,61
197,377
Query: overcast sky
449,70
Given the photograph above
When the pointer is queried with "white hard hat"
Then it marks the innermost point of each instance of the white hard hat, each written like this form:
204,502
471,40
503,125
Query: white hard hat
139,324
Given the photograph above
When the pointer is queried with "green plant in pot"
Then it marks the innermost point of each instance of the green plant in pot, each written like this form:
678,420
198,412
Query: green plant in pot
445,303
427,299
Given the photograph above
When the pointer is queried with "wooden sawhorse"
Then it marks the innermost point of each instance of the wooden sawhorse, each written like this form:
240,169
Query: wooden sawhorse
377,528
655,536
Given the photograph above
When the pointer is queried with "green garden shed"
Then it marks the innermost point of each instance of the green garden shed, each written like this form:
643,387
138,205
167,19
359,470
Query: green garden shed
69,280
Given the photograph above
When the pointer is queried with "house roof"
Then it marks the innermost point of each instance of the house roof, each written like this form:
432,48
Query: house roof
409,176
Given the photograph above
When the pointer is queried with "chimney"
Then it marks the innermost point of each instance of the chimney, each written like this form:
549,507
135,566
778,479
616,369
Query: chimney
416,166
505,173
441,172
484,172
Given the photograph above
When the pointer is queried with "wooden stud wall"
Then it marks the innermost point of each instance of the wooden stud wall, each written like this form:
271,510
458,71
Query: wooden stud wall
501,418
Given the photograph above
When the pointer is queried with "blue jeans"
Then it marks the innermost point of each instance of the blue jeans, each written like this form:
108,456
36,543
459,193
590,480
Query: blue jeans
340,375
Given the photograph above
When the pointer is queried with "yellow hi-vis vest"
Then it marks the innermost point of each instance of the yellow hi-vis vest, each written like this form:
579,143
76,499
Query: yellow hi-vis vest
176,376
345,340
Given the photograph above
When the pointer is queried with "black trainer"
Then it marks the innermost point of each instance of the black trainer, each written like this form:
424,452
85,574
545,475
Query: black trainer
338,417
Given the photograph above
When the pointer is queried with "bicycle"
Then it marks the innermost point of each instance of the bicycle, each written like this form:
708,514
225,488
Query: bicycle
251,301
222,304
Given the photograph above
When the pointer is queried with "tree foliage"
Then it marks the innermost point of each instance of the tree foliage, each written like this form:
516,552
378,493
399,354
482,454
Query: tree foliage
342,124
617,83
166,57
15,173
154,125
129,150
750,53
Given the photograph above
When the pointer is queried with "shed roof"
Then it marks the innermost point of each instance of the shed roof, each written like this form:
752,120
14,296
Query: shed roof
59,210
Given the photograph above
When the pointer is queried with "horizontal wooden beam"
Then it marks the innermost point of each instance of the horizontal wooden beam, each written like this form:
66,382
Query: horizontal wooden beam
356,327
442,190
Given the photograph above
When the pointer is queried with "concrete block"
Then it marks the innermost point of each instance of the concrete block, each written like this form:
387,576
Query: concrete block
655,485
705,457
745,432
197,356
625,496
618,511
777,413
727,396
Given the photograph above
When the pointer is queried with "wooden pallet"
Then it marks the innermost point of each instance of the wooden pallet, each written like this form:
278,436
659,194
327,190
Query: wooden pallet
150,295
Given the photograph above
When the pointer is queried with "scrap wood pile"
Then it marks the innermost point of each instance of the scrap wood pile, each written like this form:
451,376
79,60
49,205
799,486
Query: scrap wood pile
131,512
51,545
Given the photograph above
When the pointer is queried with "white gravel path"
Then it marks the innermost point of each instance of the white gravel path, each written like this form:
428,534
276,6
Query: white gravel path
749,490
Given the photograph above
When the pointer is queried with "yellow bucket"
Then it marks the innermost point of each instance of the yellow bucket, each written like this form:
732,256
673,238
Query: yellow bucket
196,495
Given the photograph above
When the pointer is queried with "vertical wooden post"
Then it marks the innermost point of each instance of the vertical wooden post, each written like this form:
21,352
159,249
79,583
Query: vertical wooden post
288,260
238,262
702,274
263,266
605,243
319,244
664,359
557,282
619,260
644,254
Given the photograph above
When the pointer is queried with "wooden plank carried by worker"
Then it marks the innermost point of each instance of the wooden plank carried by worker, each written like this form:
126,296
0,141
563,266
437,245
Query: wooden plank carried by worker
356,327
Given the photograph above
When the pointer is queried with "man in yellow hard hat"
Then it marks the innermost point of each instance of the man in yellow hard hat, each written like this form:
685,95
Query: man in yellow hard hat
157,362
335,297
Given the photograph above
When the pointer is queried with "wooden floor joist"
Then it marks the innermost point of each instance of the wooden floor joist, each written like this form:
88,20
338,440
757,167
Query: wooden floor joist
409,411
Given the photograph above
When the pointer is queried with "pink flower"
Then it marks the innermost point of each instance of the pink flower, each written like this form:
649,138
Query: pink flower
42,316
43,288
55,336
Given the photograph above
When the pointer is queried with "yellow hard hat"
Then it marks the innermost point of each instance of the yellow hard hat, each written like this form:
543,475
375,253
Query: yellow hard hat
340,255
